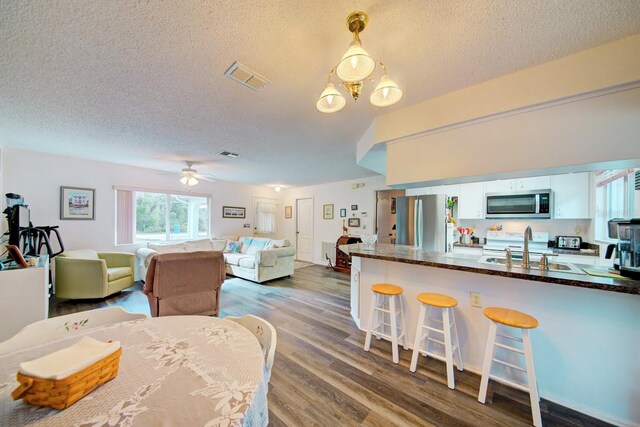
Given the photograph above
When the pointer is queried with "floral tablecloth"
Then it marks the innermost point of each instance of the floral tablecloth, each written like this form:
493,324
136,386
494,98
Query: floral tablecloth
174,371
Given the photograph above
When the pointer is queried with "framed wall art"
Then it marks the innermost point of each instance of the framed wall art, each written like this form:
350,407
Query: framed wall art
77,203
354,222
288,212
343,213
233,212
327,211
354,207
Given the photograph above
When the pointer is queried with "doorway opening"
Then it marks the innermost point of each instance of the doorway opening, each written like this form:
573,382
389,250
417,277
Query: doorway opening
386,214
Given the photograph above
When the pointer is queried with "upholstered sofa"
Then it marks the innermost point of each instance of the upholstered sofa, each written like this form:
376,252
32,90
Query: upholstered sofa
85,273
259,259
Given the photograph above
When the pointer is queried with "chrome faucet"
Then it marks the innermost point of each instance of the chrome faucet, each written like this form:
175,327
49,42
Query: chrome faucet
528,235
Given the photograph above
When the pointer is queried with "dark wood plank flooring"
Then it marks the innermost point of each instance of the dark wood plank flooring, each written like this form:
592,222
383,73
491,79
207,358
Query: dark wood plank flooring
323,377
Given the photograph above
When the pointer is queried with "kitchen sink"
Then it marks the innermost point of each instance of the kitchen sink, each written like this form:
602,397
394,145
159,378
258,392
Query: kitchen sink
562,267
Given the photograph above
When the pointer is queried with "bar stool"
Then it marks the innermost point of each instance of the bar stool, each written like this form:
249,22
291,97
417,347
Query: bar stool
386,299
448,321
524,322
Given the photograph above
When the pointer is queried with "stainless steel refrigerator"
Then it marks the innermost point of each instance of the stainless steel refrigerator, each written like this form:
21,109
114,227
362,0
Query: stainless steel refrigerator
421,221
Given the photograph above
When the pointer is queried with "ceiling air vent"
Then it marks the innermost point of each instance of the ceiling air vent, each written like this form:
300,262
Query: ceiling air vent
229,154
246,77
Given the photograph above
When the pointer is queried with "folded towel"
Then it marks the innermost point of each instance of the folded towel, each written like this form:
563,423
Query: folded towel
62,363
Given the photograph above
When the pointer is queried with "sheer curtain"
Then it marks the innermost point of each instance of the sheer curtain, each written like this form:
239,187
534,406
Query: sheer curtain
266,217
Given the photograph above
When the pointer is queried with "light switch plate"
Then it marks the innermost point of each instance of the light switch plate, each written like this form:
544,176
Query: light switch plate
475,299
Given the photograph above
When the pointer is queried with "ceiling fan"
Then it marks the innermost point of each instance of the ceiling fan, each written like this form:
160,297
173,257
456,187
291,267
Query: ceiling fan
189,176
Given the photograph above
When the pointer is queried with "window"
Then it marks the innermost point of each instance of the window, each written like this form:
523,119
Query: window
149,216
266,217
617,196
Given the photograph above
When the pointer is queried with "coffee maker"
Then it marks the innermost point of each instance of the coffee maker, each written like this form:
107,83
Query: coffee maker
629,248
613,249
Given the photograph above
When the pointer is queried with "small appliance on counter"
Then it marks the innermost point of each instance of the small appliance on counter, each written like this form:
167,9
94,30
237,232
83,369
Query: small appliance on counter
568,242
613,249
629,248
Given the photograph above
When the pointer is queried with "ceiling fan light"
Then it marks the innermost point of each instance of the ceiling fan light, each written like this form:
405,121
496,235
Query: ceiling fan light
330,100
184,180
191,181
355,65
386,93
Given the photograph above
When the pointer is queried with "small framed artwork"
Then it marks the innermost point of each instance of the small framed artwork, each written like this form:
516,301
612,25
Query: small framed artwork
327,211
354,222
393,205
288,212
233,212
343,213
77,203
354,207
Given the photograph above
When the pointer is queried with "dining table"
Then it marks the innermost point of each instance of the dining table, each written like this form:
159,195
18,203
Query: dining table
174,371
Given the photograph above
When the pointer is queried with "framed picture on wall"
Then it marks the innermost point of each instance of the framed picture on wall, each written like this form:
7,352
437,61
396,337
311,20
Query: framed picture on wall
343,213
288,212
354,207
393,205
77,203
354,222
233,212
327,211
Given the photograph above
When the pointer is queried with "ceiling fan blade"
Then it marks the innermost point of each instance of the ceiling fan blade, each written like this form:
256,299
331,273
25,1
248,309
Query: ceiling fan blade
205,177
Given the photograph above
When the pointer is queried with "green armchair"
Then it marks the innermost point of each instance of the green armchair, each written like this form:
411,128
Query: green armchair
85,273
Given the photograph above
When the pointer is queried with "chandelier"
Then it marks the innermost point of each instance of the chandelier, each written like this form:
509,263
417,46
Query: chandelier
355,67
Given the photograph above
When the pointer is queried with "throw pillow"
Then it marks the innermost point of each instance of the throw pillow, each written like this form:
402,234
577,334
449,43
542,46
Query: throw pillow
270,245
233,246
280,243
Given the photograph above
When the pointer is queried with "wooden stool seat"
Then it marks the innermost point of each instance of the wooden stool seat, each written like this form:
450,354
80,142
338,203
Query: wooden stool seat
522,322
437,300
511,318
386,317
386,289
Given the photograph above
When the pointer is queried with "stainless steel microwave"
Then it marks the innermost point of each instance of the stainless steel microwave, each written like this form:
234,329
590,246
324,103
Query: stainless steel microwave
521,204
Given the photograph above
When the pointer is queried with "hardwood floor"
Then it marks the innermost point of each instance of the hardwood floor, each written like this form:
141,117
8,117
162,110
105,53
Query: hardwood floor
323,377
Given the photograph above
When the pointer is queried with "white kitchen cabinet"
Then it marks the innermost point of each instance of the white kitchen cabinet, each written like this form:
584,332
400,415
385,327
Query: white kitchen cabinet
533,183
519,184
419,191
571,194
452,190
500,186
471,201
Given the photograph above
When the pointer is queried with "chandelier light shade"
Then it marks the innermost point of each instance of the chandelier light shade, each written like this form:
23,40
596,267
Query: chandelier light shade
354,69
386,93
189,180
330,100
356,64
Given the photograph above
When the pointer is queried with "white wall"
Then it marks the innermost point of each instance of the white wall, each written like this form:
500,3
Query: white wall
38,177
341,195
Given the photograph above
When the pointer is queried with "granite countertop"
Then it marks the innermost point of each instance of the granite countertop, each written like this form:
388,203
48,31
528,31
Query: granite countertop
469,263
592,250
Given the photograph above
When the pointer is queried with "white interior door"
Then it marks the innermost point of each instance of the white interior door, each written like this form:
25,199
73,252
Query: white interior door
304,230
265,217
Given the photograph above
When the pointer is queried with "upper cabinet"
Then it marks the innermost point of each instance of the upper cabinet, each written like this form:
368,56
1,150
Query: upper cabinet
520,184
571,196
471,201
452,190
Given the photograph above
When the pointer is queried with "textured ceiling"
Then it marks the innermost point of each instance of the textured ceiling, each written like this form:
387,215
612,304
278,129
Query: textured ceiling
142,82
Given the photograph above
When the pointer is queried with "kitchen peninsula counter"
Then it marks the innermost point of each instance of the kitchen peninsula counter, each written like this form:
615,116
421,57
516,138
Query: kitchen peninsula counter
583,340
410,255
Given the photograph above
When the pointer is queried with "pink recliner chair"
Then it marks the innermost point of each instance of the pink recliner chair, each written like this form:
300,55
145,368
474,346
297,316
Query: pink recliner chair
185,283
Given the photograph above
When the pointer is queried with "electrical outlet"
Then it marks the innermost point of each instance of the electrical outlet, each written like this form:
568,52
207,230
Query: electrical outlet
476,299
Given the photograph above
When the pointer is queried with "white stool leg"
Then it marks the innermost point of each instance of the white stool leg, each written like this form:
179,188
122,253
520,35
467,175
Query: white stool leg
446,325
417,342
394,329
405,341
377,323
372,311
531,377
486,365
456,342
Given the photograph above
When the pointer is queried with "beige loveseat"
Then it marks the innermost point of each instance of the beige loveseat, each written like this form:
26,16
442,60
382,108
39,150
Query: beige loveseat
259,259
